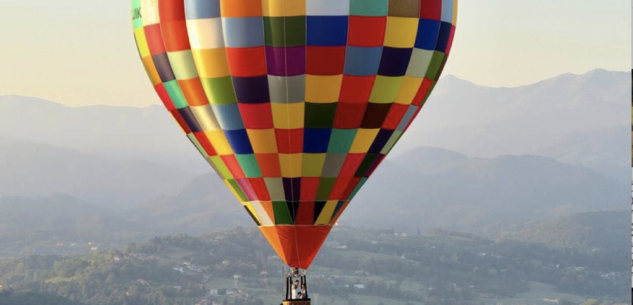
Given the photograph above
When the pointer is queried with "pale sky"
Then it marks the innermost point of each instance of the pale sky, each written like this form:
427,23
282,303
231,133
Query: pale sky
81,52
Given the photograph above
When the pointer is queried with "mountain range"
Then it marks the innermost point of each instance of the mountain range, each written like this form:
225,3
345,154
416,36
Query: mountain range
503,158
475,120
34,169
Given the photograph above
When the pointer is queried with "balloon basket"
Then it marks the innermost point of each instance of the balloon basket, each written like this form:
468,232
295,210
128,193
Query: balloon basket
296,302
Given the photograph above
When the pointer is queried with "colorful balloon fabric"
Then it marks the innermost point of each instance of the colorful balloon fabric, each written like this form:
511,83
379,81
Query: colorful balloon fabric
294,103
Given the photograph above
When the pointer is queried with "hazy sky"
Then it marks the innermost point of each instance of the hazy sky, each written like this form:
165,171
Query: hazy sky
81,52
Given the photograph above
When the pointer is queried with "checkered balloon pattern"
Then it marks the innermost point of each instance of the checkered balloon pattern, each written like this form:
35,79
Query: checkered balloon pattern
294,103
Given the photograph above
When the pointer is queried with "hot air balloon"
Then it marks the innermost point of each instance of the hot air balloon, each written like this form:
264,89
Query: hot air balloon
294,103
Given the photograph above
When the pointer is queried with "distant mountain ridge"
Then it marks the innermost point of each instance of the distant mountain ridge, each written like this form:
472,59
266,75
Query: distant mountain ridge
460,116
488,122
479,195
427,188
33,169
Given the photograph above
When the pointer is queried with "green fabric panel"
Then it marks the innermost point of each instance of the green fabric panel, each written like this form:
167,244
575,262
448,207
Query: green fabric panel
249,165
369,7
136,14
364,166
392,142
282,214
275,188
219,90
195,142
419,64
439,73
385,89
285,31
341,140
174,91
325,188
435,65
221,168
319,115
237,189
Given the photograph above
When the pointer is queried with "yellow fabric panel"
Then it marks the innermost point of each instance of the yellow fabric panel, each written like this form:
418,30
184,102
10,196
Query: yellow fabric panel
455,5
313,165
263,140
220,143
249,206
364,139
323,89
211,63
385,89
327,213
234,192
205,117
182,64
408,90
150,68
290,165
288,116
278,8
141,42
401,32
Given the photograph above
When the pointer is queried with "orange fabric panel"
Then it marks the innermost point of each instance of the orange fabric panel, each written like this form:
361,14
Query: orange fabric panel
297,246
192,89
268,207
241,8
271,235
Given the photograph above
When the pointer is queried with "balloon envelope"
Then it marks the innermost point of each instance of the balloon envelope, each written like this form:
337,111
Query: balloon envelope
294,103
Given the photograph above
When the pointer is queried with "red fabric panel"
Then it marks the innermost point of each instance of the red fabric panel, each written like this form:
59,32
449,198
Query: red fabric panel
431,9
351,186
247,62
259,186
257,116
367,31
339,188
297,246
289,141
164,96
155,39
352,162
356,89
269,165
205,143
325,60
309,188
234,167
305,214
181,121
349,115
424,90
174,25
396,113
